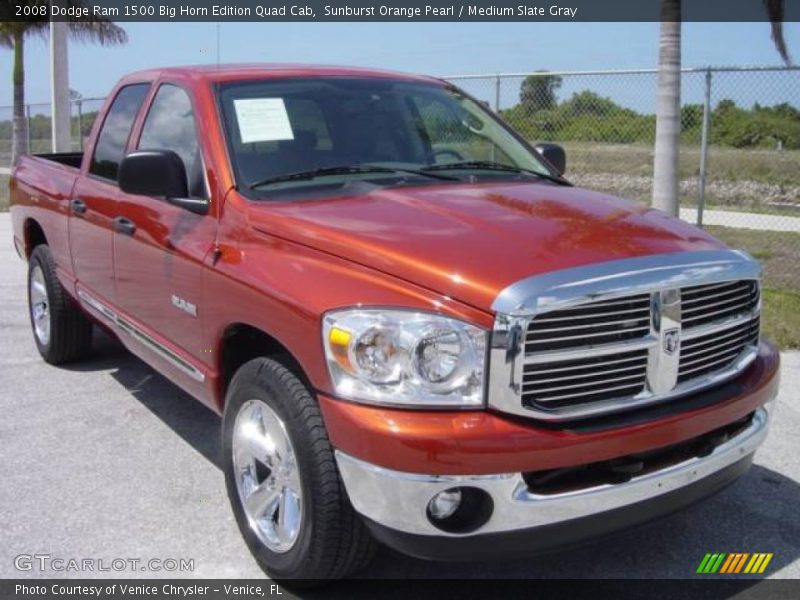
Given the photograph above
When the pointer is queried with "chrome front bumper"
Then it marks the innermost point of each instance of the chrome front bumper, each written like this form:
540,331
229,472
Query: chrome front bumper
399,501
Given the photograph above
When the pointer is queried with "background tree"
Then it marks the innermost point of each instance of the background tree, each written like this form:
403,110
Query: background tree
538,92
666,178
13,35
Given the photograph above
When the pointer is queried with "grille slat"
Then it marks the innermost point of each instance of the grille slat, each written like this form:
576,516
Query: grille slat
589,376
727,358
732,342
595,322
546,318
594,365
691,299
572,375
547,390
717,350
689,346
699,308
747,297
732,310
612,324
711,354
598,351
702,290
588,393
582,336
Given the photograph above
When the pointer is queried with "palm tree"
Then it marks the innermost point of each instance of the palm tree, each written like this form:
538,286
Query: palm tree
13,34
668,102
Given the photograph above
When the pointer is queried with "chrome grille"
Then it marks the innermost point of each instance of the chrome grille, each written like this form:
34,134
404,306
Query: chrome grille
605,322
717,350
702,304
610,352
606,337
591,379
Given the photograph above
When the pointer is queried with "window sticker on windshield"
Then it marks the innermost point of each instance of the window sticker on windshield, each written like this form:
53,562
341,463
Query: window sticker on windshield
262,120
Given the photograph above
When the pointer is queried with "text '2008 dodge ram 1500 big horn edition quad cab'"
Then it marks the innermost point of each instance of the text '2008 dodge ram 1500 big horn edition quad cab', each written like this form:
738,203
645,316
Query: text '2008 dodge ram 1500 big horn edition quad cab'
415,329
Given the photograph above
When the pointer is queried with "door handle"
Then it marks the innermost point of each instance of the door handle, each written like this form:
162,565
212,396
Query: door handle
78,206
124,226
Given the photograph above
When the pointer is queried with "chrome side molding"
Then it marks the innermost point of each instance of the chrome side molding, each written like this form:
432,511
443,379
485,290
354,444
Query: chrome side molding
142,337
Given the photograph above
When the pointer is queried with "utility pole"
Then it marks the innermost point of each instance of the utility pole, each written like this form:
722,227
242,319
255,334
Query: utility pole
59,87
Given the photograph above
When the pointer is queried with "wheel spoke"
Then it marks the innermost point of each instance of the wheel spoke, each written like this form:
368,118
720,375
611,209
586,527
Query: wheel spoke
289,515
256,444
39,288
277,440
264,500
39,305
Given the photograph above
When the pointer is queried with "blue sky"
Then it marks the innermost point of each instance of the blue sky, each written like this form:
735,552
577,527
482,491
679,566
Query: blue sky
432,48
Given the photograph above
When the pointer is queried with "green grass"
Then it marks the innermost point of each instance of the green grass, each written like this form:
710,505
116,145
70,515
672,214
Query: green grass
729,164
3,193
779,254
781,317
753,180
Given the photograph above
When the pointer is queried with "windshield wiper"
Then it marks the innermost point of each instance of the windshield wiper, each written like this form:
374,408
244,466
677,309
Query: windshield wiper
488,165
345,170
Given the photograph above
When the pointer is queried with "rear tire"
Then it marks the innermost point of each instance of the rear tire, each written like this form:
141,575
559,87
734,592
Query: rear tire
61,331
274,442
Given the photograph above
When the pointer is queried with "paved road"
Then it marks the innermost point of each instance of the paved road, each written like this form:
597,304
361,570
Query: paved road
107,459
743,220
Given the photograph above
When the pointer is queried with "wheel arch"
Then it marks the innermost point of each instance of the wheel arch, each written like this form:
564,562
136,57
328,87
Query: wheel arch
33,235
242,342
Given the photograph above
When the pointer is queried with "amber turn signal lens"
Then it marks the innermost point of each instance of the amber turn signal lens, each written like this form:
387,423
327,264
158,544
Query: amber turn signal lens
340,343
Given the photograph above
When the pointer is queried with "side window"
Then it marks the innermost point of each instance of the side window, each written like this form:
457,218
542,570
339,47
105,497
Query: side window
113,137
170,125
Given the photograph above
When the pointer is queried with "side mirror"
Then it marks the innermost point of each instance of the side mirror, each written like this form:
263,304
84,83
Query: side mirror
554,154
158,173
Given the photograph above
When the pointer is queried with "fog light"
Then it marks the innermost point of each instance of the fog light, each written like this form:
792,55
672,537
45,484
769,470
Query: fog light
445,503
462,509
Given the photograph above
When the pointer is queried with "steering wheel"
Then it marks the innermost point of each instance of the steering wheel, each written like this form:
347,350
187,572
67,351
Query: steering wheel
452,153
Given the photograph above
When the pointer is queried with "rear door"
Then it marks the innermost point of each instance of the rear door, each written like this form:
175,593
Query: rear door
159,258
94,198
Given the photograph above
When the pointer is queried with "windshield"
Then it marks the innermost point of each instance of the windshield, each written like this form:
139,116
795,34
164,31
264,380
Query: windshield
295,133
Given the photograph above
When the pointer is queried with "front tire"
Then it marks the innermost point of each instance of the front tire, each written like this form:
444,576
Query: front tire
283,484
61,331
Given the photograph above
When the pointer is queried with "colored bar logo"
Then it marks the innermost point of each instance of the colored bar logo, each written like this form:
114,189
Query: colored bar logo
734,562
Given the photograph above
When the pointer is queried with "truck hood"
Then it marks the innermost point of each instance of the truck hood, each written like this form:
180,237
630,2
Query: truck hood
469,242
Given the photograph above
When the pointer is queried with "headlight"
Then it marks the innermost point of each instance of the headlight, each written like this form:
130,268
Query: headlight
406,358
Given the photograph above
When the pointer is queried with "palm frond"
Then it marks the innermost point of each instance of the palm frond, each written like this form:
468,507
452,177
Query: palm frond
775,13
104,33
32,26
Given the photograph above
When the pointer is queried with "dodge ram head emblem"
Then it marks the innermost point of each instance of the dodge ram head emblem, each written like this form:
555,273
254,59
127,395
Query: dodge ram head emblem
672,339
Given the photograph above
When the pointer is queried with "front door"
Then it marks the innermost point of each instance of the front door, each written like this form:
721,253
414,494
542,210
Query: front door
159,254
93,205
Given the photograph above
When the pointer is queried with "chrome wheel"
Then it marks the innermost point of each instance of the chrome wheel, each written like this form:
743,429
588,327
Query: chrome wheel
267,476
40,306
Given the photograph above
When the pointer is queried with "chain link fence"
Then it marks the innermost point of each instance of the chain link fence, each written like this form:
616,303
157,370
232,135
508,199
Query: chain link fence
739,154
38,116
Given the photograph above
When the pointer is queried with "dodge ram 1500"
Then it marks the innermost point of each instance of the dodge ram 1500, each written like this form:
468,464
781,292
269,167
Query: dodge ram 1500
415,328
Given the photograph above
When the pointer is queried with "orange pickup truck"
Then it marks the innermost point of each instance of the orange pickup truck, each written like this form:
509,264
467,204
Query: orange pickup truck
415,328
